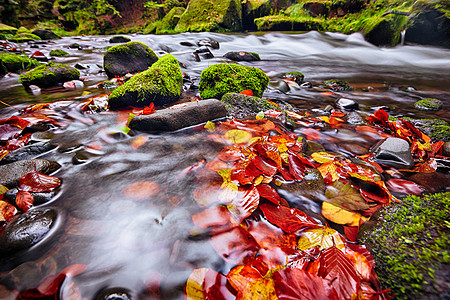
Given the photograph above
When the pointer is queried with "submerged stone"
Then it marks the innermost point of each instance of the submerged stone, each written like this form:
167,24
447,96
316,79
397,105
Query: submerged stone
219,79
242,56
393,152
428,104
161,84
26,230
11,173
119,39
49,75
27,152
338,85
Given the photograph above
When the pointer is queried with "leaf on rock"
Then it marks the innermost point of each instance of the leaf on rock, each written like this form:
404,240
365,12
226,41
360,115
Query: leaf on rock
296,167
329,172
292,283
290,220
141,190
344,195
37,182
323,157
148,110
247,92
7,211
341,216
24,200
404,186
324,237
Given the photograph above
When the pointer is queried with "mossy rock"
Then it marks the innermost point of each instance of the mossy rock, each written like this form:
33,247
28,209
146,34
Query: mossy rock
126,58
338,85
296,76
219,79
161,84
15,63
386,31
287,23
58,52
253,9
410,243
240,106
437,130
6,29
429,23
46,34
49,75
428,104
170,21
211,15
24,37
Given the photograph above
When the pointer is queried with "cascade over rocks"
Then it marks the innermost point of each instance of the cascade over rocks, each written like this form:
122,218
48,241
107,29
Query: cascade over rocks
126,58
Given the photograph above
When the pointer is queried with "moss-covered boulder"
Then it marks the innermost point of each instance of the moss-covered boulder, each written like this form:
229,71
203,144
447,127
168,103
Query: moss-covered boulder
211,15
161,84
49,75
288,23
126,58
386,31
428,104
253,9
15,63
219,79
24,37
295,76
170,20
429,23
241,106
46,34
410,243
6,29
58,52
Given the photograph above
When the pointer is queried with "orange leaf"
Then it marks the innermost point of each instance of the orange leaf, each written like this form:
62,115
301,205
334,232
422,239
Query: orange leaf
247,92
148,110
141,190
24,200
139,141
7,211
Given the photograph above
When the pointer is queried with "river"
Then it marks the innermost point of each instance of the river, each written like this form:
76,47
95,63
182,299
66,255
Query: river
132,243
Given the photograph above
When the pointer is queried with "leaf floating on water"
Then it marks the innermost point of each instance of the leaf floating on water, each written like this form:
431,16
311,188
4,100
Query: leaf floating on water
24,200
344,195
323,157
341,216
38,182
204,284
290,220
238,136
7,211
139,141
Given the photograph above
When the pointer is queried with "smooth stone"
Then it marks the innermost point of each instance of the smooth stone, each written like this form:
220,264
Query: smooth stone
11,173
26,230
38,198
347,104
433,182
209,43
27,152
119,39
394,152
280,85
242,56
46,34
428,105
446,149
204,52
42,136
354,118
306,85
187,44
192,113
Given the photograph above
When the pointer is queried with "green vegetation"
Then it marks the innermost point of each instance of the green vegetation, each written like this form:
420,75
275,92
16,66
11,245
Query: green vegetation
6,29
411,246
58,52
49,75
428,104
239,105
15,63
219,79
24,37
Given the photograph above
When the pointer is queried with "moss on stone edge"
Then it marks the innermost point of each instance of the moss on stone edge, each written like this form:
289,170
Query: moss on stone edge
219,79
338,85
411,246
49,75
428,104
160,84
6,29
58,52
15,63
168,23
24,37
240,105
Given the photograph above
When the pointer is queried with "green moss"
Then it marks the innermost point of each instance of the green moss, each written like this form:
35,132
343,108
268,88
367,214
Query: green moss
6,29
211,15
241,106
54,26
338,85
49,75
288,23
219,79
296,76
58,52
24,37
168,23
160,84
15,63
428,104
411,246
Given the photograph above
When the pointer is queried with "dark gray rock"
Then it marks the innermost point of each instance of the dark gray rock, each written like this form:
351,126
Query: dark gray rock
347,104
126,58
354,118
446,149
393,152
242,56
27,152
191,113
242,106
46,34
187,44
11,173
38,198
26,230
203,52
209,43
114,294
306,85
280,85
119,39
296,76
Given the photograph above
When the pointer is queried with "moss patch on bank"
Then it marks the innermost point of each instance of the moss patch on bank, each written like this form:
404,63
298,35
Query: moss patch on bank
411,246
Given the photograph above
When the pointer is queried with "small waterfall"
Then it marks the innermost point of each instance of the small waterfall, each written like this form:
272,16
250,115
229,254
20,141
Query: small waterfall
402,39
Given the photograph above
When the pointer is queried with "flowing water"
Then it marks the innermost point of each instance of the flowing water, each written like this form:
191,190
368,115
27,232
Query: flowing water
135,242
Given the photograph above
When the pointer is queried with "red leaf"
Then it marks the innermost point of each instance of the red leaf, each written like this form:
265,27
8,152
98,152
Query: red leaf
311,134
380,116
21,123
247,92
214,216
207,284
8,131
240,276
404,186
268,167
148,110
292,283
24,200
290,220
269,193
244,203
339,270
351,232
37,53
337,114
38,182
296,167
7,211
373,193
15,144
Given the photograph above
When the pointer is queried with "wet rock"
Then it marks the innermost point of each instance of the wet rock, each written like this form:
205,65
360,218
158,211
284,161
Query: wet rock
117,62
46,34
432,182
187,44
354,118
446,149
11,173
73,85
386,31
242,56
338,85
316,9
241,106
165,48
437,130
286,23
347,104
119,39
84,155
41,136
49,75
114,294
161,84
280,85
191,113
252,10
306,85
211,43
26,230
38,198
393,152
75,46
27,152
57,52
296,76
22,276
204,52
428,104
219,79
15,63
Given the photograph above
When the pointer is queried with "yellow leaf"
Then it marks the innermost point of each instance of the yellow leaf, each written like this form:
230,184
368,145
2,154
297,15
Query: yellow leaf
282,148
260,115
323,237
130,117
339,215
194,285
3,189
225,174
260,289
258,180
238,136
323,157
424,146
210,126
329,168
